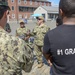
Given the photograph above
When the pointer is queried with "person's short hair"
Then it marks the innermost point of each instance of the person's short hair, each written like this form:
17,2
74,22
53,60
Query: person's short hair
3,7
68,7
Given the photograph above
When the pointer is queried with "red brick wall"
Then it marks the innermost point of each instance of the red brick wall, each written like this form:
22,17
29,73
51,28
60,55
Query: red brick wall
13,11
16,5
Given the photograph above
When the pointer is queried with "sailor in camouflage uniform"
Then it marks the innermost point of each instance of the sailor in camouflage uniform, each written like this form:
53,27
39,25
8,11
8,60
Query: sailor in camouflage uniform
39,32
23,32
15,55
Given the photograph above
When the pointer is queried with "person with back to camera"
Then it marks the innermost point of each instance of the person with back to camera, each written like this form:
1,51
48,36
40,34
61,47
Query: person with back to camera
15,54
59,43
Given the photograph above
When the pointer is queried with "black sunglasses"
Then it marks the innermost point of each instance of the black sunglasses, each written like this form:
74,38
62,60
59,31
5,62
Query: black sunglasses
39,19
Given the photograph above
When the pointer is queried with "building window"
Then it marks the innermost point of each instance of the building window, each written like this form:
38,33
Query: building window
12,1
40,3
44,3
19,1
25,1
13,16
47,4
12,7
36,2
51,15
26,9
20,16
30,2
25,16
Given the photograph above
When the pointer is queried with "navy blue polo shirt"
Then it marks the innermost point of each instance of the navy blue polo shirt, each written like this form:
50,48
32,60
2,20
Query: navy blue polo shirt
60,43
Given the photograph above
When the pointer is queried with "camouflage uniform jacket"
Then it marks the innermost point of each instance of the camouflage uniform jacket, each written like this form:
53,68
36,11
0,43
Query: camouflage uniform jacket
21,31
39,32
15,55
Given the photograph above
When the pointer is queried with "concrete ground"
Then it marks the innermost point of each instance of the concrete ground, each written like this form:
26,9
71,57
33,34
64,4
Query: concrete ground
45,70
31,24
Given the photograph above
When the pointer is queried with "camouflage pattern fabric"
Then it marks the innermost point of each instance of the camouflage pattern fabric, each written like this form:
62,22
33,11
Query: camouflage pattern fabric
39,32
4,3
21,31
15,55
38,53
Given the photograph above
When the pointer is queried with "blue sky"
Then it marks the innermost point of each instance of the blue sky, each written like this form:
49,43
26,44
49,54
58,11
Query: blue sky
54,2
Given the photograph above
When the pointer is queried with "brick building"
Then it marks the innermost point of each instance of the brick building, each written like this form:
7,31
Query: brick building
25,8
